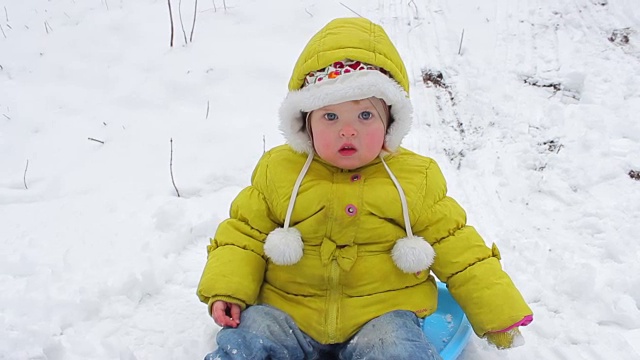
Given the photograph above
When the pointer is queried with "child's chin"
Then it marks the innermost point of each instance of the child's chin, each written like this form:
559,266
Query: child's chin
347,163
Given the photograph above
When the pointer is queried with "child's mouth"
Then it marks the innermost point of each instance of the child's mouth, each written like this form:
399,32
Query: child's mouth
347,150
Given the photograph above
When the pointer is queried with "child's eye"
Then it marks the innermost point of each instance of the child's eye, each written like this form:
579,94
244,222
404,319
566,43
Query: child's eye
365,115
331,116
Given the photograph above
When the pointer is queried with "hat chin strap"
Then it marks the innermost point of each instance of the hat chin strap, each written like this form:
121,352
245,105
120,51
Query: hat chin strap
296,186
284,245
411,254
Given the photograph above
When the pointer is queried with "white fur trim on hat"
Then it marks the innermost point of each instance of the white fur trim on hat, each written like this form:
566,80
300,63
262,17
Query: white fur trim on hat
284,246
413,254
353,86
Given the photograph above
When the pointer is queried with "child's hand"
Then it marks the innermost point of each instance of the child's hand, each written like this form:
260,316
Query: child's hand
507,339
226,314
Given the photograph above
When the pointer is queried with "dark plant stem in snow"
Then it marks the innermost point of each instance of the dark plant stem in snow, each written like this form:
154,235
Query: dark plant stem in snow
193,25
171,19
171,169
461,38
96,140
184,33
415,7
350,9
24,177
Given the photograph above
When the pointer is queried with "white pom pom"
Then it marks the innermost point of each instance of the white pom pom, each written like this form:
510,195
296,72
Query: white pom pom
284,246
413,254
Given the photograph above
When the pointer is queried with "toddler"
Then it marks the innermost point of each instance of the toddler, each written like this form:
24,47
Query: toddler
331,249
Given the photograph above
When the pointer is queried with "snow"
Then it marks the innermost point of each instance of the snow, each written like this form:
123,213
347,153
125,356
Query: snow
535,127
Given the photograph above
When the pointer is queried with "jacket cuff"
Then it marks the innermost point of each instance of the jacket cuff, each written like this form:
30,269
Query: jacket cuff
524,322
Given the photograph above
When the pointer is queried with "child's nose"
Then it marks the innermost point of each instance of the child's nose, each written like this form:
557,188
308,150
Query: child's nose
348,131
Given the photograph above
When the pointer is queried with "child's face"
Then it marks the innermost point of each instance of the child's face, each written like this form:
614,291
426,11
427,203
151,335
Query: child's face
348,135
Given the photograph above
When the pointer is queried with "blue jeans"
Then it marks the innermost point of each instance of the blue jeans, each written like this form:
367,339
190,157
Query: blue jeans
268,333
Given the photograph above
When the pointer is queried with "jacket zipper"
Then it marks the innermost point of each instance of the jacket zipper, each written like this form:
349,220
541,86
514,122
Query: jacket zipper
334,301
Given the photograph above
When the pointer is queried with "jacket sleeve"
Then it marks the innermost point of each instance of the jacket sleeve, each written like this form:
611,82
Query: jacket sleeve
472,271
235,266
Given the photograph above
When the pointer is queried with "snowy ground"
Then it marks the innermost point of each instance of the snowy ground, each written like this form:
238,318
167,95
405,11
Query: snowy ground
535,124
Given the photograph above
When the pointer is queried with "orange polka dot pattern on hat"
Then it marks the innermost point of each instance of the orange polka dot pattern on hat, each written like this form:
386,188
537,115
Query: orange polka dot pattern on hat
339,68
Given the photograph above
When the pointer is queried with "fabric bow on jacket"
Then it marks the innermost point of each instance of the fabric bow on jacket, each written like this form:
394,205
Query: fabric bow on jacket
346,255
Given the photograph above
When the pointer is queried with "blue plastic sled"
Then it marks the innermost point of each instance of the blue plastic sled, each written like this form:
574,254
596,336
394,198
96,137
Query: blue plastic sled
447,328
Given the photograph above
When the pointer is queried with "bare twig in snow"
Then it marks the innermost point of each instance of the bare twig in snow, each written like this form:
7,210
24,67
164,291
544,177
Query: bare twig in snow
207,116
224,4
1,29
215,9
351,9
7,116
171,169
415,7
264,144
24,177
307,11
193,26
96,140
106,4
461,38
181,23
6,14
171,19
47,27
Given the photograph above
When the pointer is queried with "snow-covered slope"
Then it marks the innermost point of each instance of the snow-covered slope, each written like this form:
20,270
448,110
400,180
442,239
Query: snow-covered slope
534,121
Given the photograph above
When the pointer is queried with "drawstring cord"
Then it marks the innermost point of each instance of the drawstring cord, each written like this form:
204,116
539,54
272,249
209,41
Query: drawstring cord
403,199
284,246
296,186
303,172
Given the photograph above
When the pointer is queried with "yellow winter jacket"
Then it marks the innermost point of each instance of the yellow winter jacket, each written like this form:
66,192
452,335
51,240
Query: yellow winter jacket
346,276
